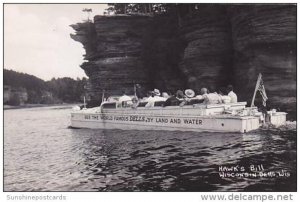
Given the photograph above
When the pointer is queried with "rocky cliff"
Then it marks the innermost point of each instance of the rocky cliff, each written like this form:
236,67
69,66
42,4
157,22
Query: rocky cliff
264,40
113,47
211,46
207,58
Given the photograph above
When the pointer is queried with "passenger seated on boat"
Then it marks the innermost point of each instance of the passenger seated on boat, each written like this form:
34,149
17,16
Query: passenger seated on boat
112,99
159,103
135,102
124,100
175,100
172,101
203,95
182,98
198,99
142,104
210,98
155,97
231,94
187,97
165,95
189,93
140,93
225,98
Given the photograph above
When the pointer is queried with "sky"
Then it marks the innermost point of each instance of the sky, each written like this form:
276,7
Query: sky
37,39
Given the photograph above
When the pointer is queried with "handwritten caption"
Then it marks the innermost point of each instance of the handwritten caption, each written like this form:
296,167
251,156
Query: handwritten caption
251,171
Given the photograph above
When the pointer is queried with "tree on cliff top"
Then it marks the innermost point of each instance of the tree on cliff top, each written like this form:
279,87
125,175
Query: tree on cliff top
179,10
145,8
151,8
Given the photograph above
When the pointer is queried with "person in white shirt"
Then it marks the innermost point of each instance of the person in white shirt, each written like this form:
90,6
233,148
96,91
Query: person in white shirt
225,98
210,98
155,97
231,94
165,95
214,98
124,100
203,93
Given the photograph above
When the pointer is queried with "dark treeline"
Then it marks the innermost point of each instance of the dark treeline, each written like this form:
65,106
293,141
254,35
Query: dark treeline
152,8
121,8
24,88
67,89
179,10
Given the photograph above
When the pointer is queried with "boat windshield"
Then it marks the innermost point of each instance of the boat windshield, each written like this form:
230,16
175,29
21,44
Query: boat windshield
109,105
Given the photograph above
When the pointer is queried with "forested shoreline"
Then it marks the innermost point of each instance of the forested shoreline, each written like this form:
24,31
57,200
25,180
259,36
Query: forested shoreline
21,89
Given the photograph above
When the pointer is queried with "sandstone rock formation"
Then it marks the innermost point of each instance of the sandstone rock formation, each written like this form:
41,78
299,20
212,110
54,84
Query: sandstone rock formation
211,46
264,40
113,50
207,59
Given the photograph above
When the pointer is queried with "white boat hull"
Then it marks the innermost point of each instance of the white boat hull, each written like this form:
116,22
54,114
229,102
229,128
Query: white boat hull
211,118
219,123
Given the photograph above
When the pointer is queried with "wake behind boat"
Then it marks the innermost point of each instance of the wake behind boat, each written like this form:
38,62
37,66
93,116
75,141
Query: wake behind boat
224,117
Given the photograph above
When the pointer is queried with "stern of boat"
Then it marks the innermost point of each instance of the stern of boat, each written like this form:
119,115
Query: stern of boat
276,118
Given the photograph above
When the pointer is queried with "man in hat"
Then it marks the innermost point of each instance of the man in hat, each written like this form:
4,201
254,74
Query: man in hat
191,98
155,97
189,93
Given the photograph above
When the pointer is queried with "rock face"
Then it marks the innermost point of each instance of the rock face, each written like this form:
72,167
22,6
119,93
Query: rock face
113,50
212,46
207,59
264,40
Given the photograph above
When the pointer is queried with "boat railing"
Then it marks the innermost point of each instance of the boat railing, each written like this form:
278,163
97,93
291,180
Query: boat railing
196,109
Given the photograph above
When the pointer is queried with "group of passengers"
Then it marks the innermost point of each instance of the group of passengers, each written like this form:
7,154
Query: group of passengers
180,98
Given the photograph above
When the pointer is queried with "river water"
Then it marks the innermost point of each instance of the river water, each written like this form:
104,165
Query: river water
42,154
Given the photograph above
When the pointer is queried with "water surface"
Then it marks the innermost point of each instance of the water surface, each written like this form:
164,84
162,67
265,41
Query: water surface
42,154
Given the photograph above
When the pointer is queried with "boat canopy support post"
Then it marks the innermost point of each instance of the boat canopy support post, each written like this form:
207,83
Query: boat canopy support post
102,100
84,103
134,89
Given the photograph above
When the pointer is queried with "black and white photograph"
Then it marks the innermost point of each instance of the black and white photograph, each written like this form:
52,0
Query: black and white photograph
149,97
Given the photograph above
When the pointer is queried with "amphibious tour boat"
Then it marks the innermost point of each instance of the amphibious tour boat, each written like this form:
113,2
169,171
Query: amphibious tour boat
230,117
212,118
